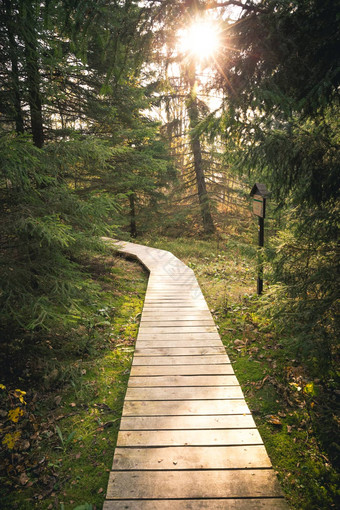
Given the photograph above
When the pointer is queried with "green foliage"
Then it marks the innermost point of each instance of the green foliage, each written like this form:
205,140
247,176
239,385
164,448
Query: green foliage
65,441
45,226
281,127
305,302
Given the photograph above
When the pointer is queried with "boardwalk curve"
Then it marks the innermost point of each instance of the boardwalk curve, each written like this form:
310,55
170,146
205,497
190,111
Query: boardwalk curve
187,439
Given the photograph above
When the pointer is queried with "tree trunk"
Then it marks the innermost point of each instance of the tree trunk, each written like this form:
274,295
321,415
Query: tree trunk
133,228
203,197
32,69
12,47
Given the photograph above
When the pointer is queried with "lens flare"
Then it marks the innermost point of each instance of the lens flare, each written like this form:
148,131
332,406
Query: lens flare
201,39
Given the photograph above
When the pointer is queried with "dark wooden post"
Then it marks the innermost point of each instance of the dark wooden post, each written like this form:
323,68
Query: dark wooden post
259,193
260,257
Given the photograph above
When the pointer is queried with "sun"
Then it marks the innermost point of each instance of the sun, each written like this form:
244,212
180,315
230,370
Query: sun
201,39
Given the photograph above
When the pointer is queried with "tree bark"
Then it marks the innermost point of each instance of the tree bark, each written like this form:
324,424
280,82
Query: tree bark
32,69
203,197
13,55
133,228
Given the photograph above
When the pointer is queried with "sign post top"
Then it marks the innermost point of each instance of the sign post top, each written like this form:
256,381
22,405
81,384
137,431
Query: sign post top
260,189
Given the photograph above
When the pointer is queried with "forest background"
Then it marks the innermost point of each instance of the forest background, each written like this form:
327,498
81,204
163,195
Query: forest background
109,128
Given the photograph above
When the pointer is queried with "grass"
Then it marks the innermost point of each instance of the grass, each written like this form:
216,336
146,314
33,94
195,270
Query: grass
75,383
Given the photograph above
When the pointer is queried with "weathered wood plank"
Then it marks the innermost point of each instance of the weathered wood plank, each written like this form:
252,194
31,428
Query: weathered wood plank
184,407
174,308
161,323
175,299
178,351
231,421
184,393
198,504
182,293
179,329
207,359
223,369
174,336
178,343
183,380
169,317
191,457
162,313
236,437
193,484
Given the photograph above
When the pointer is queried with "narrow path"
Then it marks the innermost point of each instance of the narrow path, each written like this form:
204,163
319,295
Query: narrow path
187,439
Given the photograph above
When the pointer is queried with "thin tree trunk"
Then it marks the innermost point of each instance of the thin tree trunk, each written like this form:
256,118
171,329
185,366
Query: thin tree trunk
18,117
32,70
203,197
133,228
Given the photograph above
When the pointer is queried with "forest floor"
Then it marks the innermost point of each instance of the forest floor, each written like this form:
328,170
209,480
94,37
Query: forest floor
75,381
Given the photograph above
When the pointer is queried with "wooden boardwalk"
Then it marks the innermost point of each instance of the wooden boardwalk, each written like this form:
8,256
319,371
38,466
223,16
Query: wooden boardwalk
187,439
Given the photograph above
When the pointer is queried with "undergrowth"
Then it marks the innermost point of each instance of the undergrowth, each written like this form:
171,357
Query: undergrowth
62,396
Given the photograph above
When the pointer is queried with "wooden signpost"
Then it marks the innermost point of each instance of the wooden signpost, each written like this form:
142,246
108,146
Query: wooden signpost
259,194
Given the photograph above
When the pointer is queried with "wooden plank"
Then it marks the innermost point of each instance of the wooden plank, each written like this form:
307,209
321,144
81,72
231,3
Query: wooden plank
184,407
198,504
231,421
178,351
174,336
178,316
191,457
207,359
179,329
194,305
183,380
175,299
173,319
165,302
224,369
184,393
183,312
172,300
178,343
162,323
193,484
236,437
173,286
182,291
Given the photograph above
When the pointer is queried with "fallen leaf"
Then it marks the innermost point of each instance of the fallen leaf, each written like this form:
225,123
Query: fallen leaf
100,490
25,445
274,420
23,478
73,404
